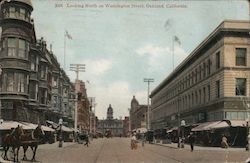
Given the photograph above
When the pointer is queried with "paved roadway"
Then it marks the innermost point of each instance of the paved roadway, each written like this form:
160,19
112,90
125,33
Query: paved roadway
117,150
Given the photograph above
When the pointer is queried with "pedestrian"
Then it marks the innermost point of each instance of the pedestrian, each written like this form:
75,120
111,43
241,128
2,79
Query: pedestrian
191,139
87,140
133,142
224,143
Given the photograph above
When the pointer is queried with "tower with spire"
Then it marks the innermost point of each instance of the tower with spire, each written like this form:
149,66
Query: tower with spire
110,113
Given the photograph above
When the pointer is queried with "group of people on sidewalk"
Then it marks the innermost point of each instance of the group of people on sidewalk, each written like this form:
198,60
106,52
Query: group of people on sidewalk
190,138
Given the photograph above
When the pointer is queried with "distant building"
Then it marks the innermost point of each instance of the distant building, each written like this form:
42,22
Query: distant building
138,115
83,107
126,128
113,126
211,84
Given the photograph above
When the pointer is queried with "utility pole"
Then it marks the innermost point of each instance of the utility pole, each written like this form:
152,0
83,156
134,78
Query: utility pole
92,115
129,122
77,68
148,80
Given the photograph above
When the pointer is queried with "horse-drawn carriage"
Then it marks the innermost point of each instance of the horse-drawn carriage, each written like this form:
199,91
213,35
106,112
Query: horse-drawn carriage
19,138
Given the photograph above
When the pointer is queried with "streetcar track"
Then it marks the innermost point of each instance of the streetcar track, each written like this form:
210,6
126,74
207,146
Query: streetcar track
172,158
99,152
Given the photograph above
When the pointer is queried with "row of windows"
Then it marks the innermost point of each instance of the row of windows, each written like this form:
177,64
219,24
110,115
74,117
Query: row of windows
203,95
16,13
15,47
14,82
230,115
201,72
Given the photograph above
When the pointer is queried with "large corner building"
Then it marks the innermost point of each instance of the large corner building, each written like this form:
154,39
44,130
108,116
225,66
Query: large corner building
212,83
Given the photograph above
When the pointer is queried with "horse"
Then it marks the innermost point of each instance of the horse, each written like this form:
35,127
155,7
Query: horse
31,140
12,140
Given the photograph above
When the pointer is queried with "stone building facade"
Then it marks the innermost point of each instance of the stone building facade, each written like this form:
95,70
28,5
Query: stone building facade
33,86
83,107
212,83
138,115
111,125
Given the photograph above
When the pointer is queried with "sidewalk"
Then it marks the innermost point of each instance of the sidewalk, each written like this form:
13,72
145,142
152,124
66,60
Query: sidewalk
187,147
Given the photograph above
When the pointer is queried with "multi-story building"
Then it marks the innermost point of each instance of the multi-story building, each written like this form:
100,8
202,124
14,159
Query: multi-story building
83,107
126,131
138,115
212,83
110,125
33,87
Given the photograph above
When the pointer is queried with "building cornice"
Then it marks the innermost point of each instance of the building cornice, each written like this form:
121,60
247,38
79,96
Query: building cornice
226,28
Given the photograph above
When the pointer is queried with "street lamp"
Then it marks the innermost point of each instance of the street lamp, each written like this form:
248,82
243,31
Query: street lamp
60,135
148,80
183,123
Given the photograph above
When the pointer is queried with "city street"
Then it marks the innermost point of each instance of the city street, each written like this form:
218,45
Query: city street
105,150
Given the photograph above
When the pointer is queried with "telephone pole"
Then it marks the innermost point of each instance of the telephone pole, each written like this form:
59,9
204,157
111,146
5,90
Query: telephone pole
77,68
148,80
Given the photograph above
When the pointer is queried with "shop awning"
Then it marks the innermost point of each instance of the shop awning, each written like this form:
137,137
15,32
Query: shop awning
221,124
34,126
8,125
172,129
238,123
205,126
65,129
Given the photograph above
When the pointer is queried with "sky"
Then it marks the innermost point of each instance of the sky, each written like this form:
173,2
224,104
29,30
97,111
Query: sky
122,42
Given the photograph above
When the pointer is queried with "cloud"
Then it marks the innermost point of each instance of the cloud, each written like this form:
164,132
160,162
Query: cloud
151,50
98,67
159,58
119,95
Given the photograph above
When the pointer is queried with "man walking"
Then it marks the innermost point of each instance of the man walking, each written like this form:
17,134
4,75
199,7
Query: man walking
191,139
87,140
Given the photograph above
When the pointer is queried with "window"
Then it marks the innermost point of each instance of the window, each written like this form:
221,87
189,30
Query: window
208,92
209,67
195,78
240,88
11,47
10,82
200,72
55,102
196,97
33,90
20,83
241,56
22,47
204,94
22,14
55,78
199,96
15,44
204,70
43,72
33,62
43,96
218,89
217,60
12,12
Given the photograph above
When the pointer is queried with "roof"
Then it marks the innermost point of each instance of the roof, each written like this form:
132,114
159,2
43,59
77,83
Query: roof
28,2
